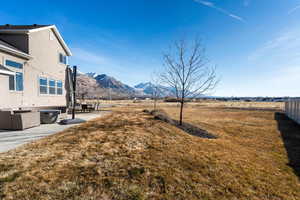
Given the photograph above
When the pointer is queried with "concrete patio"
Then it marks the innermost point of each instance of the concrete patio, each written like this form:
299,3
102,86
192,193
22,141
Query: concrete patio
12,139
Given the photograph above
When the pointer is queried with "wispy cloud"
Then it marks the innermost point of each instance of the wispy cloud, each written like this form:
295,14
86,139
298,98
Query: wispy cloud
93,60
88,56
294,9
126,67
286,45
212,5
278,63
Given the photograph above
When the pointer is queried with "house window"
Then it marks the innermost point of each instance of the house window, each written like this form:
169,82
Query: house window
11,63
43,86
52,88
63,59
59,87
11,79
16,82
19,81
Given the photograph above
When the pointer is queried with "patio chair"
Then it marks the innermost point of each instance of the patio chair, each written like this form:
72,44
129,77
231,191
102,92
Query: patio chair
90,107
78,108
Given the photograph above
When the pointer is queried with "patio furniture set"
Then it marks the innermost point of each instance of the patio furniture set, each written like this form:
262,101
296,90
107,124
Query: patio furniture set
23,119
84,107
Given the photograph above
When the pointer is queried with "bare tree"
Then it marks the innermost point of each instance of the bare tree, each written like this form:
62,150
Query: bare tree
85,87
156,88
187,71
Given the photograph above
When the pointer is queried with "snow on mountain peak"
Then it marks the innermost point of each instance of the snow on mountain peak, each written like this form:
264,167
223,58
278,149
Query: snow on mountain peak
92,74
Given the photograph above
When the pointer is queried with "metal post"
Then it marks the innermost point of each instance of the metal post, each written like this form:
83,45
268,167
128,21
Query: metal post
74,90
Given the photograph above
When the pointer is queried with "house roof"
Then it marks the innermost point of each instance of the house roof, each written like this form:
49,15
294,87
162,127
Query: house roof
23,27
27,29
4,70
4,46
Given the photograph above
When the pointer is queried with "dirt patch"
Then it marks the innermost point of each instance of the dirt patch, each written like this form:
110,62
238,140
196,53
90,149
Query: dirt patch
188,128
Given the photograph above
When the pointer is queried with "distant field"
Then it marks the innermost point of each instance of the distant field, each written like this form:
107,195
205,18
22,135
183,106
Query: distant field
227,104
130,155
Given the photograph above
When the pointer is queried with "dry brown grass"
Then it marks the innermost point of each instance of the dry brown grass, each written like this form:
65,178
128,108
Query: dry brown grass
203,103
129,155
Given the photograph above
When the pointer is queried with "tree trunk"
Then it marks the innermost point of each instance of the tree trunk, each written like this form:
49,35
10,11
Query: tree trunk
181,111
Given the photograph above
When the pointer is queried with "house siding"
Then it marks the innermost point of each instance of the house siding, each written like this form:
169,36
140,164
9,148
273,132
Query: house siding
10,99
45,63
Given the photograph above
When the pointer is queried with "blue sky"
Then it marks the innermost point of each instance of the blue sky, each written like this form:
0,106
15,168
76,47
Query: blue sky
255,44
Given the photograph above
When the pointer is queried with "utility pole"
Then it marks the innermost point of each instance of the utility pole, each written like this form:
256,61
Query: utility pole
74,90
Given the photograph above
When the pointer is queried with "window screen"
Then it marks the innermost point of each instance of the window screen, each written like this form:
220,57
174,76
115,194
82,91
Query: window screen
59,87
52,88
11,63
63,59
43,85
11,82
19,81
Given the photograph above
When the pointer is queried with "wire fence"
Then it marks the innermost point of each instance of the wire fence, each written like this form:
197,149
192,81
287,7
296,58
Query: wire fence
292,110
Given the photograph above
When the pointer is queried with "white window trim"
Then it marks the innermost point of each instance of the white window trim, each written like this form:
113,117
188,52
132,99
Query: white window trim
14,90
7,72
55,87
11,67
65,56
62,85
39,85
48,86
15,83
14,72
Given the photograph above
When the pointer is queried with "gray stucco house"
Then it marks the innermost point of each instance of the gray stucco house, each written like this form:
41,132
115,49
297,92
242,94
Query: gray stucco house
33,61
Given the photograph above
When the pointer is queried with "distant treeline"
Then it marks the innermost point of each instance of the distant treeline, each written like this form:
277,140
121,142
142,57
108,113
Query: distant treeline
174,99
255,99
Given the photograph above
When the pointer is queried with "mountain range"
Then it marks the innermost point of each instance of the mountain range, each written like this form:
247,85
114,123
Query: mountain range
149,88
92,83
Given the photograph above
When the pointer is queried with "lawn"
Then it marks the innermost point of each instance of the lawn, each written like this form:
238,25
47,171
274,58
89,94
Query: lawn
130,155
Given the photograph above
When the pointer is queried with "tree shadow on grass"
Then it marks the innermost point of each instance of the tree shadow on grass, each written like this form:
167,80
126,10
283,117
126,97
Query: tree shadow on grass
194,130
290,133
188,128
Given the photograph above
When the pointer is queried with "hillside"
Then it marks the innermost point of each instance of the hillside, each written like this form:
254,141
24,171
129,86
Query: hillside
109,82
93,86
129,155
118,88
